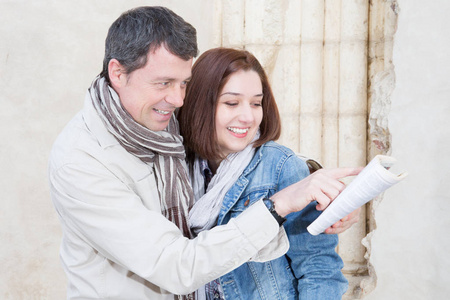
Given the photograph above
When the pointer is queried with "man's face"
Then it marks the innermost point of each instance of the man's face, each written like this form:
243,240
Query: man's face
151,94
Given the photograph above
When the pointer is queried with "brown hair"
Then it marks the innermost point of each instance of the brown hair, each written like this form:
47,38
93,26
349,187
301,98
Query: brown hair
197,116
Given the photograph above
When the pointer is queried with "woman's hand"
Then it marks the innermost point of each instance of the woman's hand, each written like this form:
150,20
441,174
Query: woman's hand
344,223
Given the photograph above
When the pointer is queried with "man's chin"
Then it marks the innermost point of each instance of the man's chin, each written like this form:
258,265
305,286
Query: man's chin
158,126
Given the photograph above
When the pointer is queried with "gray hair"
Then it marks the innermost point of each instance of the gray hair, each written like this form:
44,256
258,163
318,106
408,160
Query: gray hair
139,30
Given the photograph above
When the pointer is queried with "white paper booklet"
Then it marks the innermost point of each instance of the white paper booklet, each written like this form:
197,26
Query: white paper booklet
374,179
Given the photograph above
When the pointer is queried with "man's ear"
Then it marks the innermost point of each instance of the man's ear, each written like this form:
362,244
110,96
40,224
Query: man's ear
116,72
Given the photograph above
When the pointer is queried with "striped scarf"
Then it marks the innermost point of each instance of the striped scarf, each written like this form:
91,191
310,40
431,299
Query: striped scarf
162,148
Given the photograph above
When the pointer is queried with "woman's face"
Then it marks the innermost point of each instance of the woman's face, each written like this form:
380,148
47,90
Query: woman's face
239,111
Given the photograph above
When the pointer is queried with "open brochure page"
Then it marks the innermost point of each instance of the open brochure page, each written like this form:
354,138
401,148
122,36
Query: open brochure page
373,180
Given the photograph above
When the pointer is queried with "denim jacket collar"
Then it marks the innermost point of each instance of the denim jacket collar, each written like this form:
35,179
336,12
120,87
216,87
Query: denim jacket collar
255,161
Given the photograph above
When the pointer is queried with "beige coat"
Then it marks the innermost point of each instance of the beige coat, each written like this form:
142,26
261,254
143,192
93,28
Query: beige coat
116,244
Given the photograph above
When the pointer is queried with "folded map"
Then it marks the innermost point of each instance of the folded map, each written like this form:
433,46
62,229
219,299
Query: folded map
373,180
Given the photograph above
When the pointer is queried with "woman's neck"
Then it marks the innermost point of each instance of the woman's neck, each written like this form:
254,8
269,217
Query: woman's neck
214,165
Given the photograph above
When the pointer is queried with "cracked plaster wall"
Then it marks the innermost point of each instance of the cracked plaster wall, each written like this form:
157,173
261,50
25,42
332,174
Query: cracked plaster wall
410,245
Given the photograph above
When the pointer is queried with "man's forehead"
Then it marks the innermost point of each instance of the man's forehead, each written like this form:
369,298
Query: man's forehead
161,50
171,78
163,65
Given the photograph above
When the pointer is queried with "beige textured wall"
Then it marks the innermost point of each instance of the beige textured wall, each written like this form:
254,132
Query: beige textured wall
51,50
49,53
411,245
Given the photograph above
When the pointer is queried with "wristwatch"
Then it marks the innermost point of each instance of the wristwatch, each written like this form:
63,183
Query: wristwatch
271,207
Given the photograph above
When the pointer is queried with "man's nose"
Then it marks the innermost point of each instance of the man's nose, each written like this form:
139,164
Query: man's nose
176,95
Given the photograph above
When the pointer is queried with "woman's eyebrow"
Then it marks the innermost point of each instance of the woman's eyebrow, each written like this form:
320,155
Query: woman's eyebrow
238,94
230,93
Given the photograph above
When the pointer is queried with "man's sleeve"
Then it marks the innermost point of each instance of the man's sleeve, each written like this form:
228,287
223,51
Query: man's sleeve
109,216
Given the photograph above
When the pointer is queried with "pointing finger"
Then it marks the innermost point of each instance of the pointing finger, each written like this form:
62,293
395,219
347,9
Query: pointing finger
343,172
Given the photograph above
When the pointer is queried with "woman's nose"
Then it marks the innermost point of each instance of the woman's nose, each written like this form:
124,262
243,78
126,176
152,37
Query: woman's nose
246,114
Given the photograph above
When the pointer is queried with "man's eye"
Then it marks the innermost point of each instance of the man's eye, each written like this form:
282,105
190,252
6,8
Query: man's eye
165,83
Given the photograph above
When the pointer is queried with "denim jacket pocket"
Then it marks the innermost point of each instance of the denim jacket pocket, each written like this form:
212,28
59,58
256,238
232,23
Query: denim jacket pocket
246,201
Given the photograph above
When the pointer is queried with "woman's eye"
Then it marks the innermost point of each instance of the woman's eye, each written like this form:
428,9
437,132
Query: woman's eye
257,104
231,103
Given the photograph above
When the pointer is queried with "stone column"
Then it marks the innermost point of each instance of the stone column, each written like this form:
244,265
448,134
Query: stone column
352,126
316,56
331,64
311,78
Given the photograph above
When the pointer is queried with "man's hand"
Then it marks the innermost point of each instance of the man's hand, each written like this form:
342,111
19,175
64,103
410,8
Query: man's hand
322,186
344,223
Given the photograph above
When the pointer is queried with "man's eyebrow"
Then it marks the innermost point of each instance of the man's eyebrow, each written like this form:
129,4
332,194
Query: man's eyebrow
159,79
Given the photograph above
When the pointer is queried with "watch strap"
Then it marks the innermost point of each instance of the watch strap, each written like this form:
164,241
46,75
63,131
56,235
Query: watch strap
271,207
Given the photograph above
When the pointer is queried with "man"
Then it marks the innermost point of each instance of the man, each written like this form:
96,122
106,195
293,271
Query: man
119,183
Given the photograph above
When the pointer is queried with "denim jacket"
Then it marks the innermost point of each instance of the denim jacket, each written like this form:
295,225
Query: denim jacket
311,269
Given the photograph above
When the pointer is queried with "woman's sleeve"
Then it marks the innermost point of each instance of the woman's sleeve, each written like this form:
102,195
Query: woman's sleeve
313,259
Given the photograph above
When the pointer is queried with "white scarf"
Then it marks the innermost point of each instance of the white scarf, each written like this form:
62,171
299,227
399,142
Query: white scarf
205,211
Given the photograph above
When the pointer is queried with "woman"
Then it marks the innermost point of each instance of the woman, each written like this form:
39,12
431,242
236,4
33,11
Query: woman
229,125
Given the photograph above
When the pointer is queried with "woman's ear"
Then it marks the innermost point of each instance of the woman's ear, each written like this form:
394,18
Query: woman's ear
116,72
